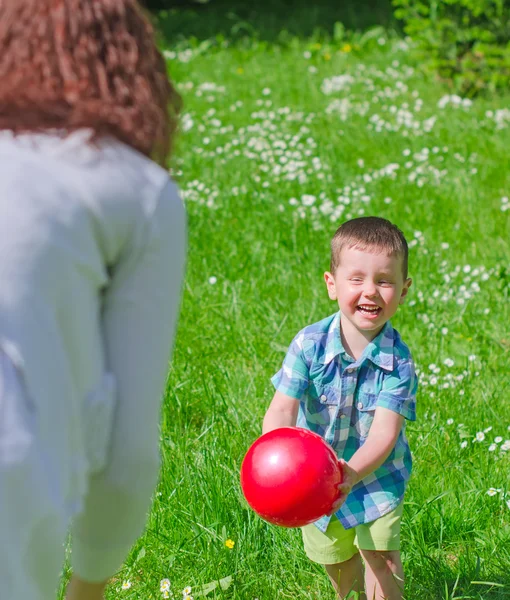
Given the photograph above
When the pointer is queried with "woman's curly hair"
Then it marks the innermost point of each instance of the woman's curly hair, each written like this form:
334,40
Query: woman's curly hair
70,64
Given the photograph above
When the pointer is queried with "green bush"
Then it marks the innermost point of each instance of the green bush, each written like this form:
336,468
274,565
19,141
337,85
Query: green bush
466,42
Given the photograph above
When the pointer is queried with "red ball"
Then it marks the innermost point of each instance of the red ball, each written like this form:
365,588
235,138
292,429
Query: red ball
290,477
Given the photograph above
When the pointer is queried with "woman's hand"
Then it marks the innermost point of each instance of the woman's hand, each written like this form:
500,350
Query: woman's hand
350,479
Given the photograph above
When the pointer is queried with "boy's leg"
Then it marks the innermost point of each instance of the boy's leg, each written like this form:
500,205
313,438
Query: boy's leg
335,550
384,575
347,577
379,544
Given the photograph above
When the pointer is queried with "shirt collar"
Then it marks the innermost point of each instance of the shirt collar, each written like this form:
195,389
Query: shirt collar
379,350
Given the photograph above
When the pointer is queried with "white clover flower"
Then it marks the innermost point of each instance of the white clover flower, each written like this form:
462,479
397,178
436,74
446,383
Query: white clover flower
487,429
492,491
444,330
212,280
336,83
505,446
186,122
307,54
463,444
480,436
308,199
448,362
508,502
266,91
472,357
449,421
492,447
498,439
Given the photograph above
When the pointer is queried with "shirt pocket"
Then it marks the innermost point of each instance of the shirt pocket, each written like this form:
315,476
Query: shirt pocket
323,404
366,404
98,417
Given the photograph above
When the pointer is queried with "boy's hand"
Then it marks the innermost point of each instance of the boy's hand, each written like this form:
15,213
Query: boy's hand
350,479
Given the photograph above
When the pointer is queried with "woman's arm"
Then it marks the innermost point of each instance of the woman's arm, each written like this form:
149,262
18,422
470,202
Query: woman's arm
139,321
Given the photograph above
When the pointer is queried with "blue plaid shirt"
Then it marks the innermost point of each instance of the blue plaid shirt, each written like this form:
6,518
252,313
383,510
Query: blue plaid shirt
338,397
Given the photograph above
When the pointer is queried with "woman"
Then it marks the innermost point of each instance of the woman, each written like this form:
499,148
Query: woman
92,245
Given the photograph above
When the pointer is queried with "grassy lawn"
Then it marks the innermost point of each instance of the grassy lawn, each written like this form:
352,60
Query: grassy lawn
286,135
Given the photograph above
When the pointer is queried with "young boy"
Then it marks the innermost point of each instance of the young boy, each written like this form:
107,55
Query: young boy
351,379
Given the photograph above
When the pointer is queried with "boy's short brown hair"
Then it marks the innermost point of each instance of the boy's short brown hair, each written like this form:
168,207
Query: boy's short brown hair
368,233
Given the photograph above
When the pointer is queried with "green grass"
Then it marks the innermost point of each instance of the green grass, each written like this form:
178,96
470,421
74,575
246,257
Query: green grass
268,256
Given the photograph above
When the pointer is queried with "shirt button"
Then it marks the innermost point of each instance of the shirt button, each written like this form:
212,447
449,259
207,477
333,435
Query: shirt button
342,416
323,398
360,405
350,370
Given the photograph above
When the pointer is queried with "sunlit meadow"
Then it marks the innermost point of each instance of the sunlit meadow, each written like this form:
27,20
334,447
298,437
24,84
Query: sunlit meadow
282,140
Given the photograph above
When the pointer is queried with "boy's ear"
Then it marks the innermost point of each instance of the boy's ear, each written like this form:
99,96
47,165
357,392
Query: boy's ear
408,283
330,284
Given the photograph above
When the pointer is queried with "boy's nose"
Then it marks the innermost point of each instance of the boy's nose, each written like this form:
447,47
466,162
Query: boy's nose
370,291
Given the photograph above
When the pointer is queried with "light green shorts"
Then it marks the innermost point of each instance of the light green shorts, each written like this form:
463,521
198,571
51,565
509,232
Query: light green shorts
338,544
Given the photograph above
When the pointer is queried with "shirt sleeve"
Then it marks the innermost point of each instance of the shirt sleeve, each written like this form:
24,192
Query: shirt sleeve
292,379
399,390
139,321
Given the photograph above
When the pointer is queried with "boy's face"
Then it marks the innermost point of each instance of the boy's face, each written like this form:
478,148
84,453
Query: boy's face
369,286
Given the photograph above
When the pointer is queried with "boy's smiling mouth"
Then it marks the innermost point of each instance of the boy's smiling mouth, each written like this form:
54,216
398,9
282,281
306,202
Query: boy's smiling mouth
369,310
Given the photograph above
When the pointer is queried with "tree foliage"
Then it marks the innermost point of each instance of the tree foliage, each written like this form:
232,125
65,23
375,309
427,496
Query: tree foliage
467,42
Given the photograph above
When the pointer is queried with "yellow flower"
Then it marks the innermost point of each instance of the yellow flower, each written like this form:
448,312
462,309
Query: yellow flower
346,48
229,544
327,56
240,70
317,46
166,594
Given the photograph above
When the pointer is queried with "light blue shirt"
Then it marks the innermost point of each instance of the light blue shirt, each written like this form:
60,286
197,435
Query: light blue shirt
338,398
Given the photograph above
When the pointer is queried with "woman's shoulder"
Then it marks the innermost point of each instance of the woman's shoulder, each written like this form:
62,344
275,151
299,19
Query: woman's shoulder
107,170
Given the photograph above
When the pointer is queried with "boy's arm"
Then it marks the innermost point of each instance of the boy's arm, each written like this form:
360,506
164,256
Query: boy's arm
396,402
282,412
380,441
